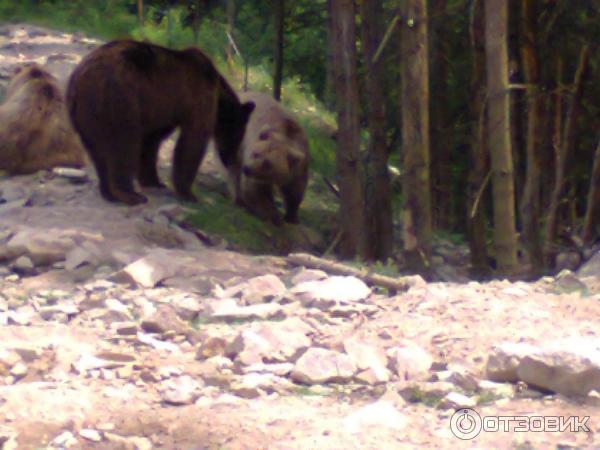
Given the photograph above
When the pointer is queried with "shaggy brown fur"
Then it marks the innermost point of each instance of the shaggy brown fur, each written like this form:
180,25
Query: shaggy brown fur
274,152
126,97
35,131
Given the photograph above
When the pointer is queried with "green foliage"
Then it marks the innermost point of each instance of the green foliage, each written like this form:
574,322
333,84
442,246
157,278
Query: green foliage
76,15
219,216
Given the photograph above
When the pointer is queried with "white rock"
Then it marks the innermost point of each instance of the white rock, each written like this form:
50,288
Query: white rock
180,391
455,400
64,440
90,434
504,360
319,365
365,356
410,361
263,289
570,367
336,289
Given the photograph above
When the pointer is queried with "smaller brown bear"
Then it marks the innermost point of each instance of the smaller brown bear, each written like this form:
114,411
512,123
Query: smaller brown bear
274,152
35,130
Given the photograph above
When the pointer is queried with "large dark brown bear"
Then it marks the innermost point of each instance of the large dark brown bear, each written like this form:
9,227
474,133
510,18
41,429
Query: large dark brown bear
274,153
126,97
35,131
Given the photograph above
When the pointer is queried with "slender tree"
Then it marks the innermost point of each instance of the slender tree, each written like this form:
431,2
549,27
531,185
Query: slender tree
530,204
416,215
352,214
564,145
477,179
378,195
278,60
140,11
592,212
439,45
505,236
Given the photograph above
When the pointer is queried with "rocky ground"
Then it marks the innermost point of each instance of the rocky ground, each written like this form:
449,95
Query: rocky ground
120,329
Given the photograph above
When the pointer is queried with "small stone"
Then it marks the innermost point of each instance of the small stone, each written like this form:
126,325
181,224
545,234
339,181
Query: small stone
23,264
179,391
410,361
150,270
211,346
125,328
164,319
263,289
64,440
125,373
319,365
19,370
455,400
90,434
74,175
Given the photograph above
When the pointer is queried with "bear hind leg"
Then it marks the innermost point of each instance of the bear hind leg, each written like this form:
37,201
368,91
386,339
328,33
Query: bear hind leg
188,155
122,167
148,174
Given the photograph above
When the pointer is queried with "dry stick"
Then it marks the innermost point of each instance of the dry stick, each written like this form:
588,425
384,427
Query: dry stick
486,180
334,190
237,51
314,262
386,38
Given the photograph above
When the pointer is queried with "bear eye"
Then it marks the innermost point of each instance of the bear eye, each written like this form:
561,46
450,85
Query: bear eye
263,136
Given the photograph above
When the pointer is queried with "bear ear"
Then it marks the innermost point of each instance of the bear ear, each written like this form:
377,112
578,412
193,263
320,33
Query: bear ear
248,107
36,73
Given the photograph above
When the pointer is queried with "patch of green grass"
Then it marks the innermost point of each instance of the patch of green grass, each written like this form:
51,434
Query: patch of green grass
429,399
487,398
309,391
219,216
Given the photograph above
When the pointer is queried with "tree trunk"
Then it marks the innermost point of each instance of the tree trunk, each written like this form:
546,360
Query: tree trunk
278,69
496,33
592,212
415,135
140,11
441,186
563,150
351,214
378,196
476,218
530,204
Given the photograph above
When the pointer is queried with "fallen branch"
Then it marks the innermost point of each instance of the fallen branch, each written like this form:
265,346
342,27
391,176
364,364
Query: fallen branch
314,262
